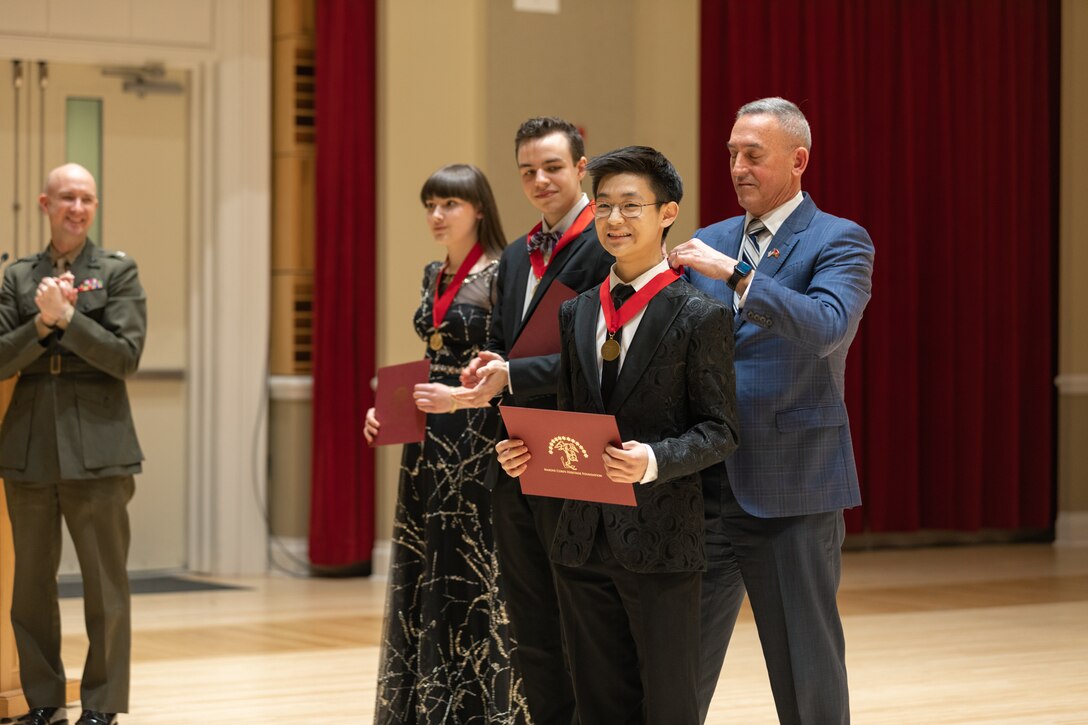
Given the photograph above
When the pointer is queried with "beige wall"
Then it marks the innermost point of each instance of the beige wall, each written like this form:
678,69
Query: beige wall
1073,268
542,65
431,111
667,95
289,422
618,96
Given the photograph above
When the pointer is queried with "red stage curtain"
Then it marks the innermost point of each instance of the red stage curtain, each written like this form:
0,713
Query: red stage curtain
933,127
342,495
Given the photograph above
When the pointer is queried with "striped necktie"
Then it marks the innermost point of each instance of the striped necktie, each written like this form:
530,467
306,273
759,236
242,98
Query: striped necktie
749,251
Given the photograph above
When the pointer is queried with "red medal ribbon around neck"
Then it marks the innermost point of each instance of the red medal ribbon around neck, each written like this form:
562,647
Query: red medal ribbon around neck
442,302
614,320
585,218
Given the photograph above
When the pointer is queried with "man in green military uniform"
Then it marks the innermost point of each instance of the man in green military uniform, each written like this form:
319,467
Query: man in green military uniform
72,324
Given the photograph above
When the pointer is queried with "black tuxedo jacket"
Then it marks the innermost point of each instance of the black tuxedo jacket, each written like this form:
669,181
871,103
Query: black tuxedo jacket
580,265
675,392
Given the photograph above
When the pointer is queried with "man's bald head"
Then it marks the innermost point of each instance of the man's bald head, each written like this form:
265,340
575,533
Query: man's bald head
55,177
70,200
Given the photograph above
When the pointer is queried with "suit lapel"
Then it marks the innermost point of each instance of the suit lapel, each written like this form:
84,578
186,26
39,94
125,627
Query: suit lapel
783,243
519,268
585,342
789,236
657,319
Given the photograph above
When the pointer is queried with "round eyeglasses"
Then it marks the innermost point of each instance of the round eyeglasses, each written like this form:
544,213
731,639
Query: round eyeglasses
628,209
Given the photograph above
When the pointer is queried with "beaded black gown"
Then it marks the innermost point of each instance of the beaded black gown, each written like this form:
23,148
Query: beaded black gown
446,652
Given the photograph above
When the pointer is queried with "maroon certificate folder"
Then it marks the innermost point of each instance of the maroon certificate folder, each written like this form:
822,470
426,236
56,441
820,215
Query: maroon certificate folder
566,453
540,336
401,420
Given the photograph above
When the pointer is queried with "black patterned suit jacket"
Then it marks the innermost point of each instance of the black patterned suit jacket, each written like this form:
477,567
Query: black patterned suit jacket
675,392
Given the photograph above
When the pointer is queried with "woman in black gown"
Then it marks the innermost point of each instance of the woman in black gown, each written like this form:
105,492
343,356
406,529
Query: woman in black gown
446,655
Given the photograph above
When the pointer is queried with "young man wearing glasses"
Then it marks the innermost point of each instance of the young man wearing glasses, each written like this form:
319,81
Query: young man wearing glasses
562,247
648,348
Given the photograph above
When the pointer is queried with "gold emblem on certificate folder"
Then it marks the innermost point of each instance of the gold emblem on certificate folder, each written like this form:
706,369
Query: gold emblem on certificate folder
610,350
436,341
569,449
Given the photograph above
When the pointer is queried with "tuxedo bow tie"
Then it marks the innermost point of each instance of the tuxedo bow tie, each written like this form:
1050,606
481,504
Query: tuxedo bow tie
544,241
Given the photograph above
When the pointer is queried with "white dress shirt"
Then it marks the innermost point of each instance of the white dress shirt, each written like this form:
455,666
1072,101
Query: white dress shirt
628,335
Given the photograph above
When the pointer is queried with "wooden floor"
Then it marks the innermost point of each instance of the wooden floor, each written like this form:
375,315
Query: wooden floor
995,634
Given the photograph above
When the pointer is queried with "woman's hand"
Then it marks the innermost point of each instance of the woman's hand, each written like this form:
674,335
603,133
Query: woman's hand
370,429
435,398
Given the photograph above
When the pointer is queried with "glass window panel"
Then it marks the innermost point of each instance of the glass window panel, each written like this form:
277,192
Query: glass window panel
83,131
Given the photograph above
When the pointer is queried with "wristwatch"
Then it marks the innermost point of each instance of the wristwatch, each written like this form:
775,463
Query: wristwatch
742,270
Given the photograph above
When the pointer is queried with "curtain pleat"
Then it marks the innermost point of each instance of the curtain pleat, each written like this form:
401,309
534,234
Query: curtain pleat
342,493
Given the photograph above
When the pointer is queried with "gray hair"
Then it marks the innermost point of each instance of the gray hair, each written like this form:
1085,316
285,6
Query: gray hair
788,114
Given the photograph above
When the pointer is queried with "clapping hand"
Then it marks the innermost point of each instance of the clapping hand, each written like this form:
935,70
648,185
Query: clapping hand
484,378
435,398
55,297
67,283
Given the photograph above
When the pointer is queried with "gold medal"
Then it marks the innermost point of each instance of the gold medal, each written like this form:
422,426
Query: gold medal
610,350
436,341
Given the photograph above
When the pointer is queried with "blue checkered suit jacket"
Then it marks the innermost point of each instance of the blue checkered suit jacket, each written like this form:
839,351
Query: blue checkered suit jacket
792,336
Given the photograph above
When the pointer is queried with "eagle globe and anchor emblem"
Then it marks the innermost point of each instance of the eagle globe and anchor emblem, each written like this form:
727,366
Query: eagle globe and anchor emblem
569,450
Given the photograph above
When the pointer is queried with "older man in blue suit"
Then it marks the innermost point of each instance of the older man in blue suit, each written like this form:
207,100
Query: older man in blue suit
799,280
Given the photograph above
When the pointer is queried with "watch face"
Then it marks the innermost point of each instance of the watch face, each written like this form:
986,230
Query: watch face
742,268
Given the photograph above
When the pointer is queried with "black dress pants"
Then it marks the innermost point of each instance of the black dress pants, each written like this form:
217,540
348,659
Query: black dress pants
524,527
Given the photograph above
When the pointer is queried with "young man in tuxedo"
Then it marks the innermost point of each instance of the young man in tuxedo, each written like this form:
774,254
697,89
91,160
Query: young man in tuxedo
650,349
799,280
562,247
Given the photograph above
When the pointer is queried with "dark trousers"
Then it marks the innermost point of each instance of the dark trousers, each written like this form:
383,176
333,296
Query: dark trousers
791,569
633,641
524,527
97,518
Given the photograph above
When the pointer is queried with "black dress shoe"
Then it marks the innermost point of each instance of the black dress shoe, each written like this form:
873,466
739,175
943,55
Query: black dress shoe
91,717
44,716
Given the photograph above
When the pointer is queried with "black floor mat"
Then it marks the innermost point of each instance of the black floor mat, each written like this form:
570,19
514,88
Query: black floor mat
69,588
